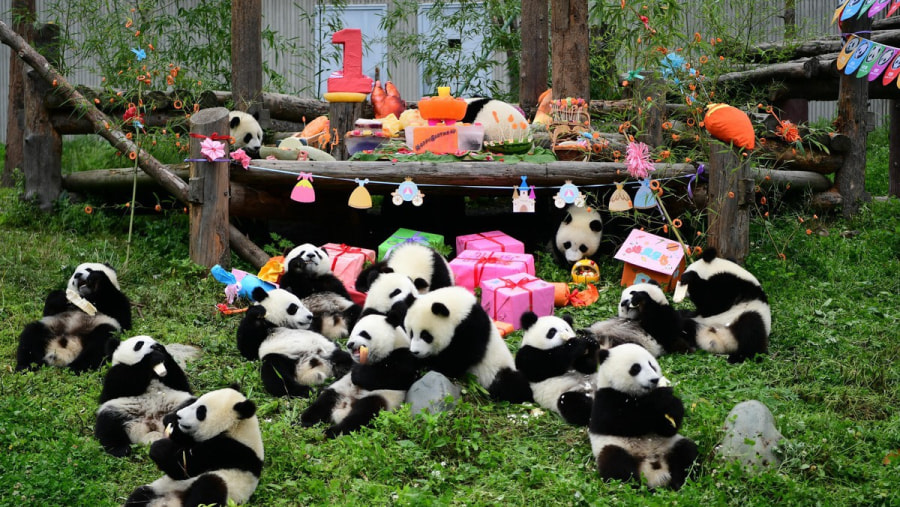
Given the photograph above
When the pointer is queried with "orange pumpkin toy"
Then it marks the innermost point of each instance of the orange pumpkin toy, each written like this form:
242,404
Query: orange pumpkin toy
729,125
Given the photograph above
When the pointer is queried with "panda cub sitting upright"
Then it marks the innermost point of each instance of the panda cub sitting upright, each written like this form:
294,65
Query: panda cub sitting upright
246,132
732,310
427,268
560,366
212,453
143,385
384,370
635,421
453,335
578,236
93,287
646,318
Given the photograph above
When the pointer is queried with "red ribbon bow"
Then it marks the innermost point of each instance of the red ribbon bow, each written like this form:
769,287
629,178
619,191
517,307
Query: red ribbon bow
509,284
489,238
215,136
482,263
344,249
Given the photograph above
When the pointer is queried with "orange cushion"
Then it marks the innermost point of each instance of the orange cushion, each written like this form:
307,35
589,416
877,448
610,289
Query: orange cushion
730,125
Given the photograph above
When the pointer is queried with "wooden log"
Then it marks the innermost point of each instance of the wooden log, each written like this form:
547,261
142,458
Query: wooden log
804,68
569,54
790,180
243,246
246,54
23,18
730,196
852,107
894,156
534,63
42,150
208,192
791,50
342,118
789,156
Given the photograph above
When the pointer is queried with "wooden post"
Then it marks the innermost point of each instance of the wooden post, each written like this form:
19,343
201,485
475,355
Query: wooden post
852,108
894,142
533,66
342,117
42,149
23,17
570,54
208,193
730,195
246,58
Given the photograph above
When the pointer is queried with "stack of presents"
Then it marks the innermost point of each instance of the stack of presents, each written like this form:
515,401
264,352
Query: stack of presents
496,265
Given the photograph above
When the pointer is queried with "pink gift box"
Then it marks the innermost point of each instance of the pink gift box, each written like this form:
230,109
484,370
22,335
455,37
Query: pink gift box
507,298
472,266
347,262
492,241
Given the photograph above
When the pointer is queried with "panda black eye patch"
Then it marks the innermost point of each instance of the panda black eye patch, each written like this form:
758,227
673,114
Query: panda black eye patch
138,345
248,138
567,245
366,335
426,337
292,309
582,249
634,370
551,333
201,413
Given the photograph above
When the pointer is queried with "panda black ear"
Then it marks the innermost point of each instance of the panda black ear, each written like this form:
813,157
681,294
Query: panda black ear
396,314
596,225
709,254
687,278
528,319
255,115
653,282
440,309
568,219
602,354
259,294
245,409
109,266
569,320
111,347
420,284
235,121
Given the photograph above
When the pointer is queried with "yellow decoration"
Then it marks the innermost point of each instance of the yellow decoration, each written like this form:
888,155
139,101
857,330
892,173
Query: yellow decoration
345,97
272,269
620,200
391,125
360,198
585,271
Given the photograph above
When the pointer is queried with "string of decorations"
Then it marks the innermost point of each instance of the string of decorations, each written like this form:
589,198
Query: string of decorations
869,59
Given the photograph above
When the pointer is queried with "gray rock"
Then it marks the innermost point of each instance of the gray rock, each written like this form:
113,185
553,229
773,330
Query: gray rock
750,436
429,393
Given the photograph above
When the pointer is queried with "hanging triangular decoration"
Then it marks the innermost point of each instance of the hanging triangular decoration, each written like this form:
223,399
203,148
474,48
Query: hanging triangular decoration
620,200
645,198
303,190
360,198
847,51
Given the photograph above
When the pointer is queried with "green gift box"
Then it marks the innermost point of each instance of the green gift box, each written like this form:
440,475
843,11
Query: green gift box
408,236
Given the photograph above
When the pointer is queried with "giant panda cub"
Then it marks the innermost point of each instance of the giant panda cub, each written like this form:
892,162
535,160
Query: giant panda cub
388,291
384,370
453,335
93,287
246,132
578,235
143,385
212,453
427,268
732,310
497,117
295,359
635,421
646,318
271,311
72,339
560,366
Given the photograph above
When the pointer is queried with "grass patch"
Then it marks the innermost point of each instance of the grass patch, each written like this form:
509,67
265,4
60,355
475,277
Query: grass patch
831,379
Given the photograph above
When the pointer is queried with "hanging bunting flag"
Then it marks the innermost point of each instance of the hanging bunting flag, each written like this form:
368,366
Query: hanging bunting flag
878,7
847,51
360,198
569,194
864,46
645,198
840,9
303,190
894,6
620,200
871,59
407,192
883,61
865,8
892,70
523,199
851,9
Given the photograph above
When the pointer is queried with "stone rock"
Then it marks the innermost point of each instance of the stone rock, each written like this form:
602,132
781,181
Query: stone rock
429,393
750,436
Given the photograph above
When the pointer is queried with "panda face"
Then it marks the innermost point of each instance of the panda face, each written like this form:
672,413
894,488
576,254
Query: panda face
284,309
133,350
245,131
388,289
214,413
378,336
633,299
629,368
80,277
579,234
308,258
546,332
432,319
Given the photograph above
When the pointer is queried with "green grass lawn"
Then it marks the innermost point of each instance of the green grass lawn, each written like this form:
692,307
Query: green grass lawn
831,379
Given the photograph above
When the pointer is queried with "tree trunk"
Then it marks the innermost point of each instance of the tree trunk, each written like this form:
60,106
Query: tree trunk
852,109
23,16
570,49
42,150
246,58
730,196
535,60
208,192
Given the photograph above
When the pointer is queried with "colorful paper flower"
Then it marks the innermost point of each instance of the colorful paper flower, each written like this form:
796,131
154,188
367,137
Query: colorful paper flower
212,149
241,157
637,160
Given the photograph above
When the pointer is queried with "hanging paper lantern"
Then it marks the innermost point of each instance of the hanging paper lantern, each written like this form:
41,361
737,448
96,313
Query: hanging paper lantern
645,198
360,198
303,190
620,200
847,51
568,194
407,192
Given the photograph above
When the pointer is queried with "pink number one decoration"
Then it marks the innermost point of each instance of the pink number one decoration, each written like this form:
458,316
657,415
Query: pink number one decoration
350,78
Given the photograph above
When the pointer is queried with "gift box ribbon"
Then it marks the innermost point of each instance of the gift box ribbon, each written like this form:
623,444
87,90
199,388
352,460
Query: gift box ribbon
415,238
482,263
522,284
344,249
489,238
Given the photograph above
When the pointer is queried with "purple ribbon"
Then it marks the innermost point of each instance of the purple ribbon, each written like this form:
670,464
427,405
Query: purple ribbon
700,170
415,238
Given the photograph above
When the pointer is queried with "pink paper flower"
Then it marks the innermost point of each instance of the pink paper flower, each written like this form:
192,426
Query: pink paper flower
637,160
212,150
240,156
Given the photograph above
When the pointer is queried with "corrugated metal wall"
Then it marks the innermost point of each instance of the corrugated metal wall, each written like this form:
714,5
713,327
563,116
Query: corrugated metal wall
292,20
